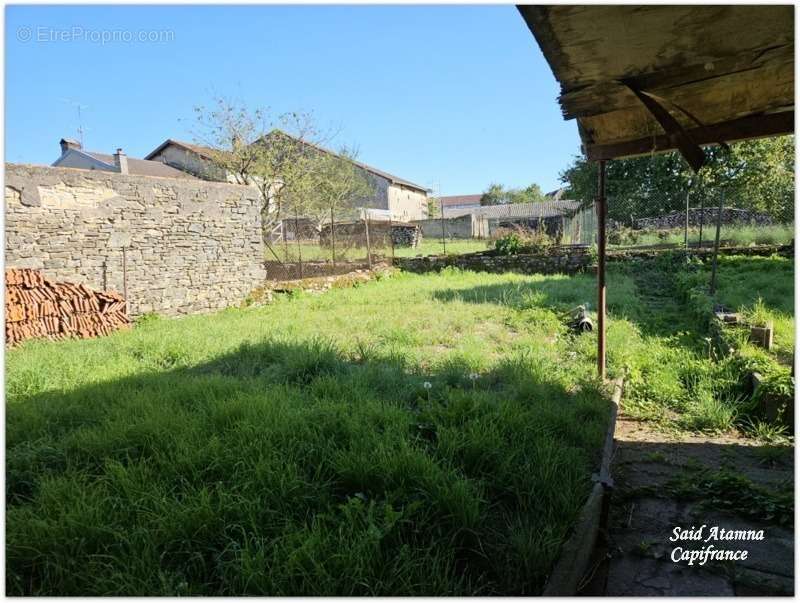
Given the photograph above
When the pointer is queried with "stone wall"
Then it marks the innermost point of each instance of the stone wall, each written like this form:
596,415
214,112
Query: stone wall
182,246
454,228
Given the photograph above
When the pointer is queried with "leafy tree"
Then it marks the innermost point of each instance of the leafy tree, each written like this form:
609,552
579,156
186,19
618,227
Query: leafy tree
757,175
494,195
529,194
497,194
434,207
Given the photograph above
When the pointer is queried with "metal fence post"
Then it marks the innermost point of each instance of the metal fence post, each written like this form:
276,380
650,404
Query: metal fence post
391,237
601,272
297,240
366,231
125,279
441,211
702,220
686,221
713,284
333,242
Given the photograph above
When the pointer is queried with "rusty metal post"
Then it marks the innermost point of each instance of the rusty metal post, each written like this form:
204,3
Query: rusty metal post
702,220
713,286
601,270
686,221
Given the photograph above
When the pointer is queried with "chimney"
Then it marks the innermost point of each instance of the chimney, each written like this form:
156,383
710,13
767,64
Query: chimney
121,161
69,143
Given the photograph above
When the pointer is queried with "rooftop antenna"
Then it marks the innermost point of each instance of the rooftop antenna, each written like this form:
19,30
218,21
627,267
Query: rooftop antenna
79,108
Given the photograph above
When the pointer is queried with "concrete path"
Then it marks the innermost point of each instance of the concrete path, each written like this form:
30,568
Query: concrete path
646,507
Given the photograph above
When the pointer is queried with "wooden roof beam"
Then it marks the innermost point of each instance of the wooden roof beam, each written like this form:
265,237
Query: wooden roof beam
678,136
754,126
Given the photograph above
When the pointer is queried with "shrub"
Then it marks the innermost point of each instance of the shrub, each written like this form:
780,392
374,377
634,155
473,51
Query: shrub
510,244
511,241
623,235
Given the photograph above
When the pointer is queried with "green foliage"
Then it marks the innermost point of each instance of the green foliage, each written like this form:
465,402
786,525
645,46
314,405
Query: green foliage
511,241
434,208
756,174
509,244
727,490
497,194
743,235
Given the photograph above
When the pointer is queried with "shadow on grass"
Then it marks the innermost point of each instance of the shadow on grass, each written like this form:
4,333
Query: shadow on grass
288,469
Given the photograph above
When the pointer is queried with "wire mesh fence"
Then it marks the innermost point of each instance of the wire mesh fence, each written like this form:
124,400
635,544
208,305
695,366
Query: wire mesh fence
690,218
357,239
343,241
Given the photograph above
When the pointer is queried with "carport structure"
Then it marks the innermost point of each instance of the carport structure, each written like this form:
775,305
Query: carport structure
653,78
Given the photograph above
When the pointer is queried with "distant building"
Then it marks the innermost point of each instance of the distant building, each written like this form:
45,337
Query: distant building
74,156
403,199
567,221
557,194
455,204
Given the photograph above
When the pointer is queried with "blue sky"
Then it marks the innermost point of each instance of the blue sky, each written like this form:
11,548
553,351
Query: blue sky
451,97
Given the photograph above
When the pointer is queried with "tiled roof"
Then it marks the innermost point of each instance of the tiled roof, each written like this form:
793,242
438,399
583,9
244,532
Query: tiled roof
461,200
390,177
142,167
194,148
206,152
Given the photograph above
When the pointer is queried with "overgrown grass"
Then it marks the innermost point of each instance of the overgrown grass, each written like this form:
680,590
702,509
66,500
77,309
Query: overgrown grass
295,448
775,234
423,434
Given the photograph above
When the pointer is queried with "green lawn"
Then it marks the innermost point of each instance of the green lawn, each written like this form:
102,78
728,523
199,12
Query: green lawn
776,234
294,448
761,288
422,434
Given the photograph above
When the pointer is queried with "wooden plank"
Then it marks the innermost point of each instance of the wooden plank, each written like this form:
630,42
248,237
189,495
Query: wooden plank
719,78
691,152
757,126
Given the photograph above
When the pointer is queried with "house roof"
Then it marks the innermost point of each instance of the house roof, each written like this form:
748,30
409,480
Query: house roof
136,167
206,152
538,209
641,79
143,167
390,177
460,200
198,149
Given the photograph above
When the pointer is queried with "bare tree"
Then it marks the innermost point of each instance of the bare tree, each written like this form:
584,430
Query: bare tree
283,158
250,147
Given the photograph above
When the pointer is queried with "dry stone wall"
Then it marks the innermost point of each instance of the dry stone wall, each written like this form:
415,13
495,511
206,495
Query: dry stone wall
175,246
